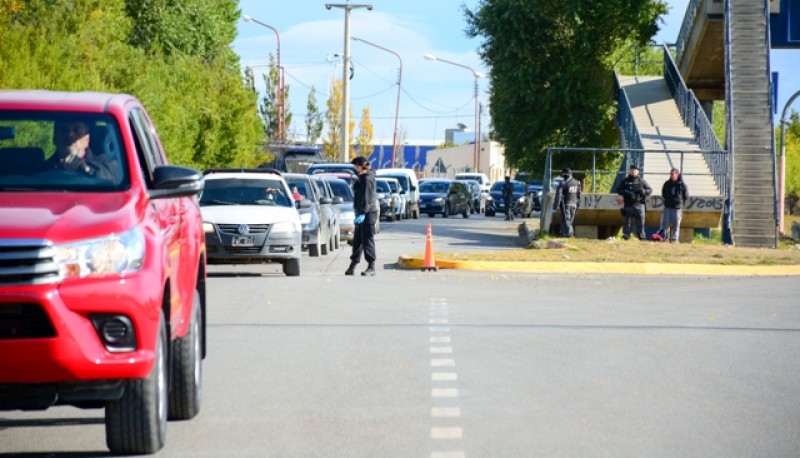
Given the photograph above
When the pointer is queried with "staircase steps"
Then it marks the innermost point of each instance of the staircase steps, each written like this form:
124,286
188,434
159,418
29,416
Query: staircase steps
753,222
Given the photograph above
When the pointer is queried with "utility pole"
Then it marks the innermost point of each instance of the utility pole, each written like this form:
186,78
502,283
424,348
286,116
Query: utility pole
345,76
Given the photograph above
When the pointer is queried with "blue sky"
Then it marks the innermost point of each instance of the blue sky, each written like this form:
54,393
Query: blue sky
435,95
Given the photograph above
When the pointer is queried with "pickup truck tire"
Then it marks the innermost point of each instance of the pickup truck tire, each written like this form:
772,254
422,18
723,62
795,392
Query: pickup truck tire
137,422
187,369
291,267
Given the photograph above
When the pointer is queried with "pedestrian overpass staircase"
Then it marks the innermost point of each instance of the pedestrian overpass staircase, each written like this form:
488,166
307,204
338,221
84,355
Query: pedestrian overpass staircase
663,113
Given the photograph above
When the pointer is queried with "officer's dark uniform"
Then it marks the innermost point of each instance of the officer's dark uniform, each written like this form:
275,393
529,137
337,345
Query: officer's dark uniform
568,201
634,190
508,197
364,203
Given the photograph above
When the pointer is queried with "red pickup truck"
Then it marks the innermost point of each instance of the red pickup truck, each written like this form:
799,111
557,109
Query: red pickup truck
102,266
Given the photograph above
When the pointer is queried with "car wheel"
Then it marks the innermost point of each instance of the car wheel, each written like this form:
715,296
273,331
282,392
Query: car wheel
338,239
324,247
467,211
291,267
136,423
431,215
446,211
316,248
187,369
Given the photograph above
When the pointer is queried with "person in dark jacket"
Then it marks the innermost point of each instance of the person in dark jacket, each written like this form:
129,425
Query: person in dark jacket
568,201
365,207
73,153
508,198
675,194
634,191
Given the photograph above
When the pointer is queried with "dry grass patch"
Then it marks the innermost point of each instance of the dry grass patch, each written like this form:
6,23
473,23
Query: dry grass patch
635,251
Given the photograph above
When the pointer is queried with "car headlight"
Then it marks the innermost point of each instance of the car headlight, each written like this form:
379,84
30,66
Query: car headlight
285,227
305,218
489,198
208,228
115,254
521,200
439,200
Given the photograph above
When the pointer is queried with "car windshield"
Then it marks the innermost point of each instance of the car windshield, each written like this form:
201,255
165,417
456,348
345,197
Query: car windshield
341,189
60,151
382,186
518,186
438,187
402,179
394,186
302,188
242,191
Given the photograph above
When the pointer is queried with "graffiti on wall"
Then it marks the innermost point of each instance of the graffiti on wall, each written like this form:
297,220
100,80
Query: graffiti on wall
613,201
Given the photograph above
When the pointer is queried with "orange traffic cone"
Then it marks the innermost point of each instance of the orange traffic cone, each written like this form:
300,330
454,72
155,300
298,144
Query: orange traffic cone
429,263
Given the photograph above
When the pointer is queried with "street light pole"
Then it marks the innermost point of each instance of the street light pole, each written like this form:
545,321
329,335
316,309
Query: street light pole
397,105
345,77
281,117
476,74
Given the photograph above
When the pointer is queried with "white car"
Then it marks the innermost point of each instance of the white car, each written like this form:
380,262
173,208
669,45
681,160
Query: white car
250,217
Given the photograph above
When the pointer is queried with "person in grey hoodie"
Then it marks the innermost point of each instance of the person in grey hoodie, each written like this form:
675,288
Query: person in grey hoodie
675,194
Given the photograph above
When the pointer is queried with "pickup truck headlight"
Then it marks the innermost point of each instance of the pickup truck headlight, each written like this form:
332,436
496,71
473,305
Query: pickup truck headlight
115,254
439,200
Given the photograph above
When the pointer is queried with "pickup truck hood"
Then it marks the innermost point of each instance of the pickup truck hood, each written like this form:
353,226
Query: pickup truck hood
62,217
248,214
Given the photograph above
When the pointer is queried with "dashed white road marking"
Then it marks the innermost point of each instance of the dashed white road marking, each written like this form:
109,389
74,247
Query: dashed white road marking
440,329
444,376
441,349
443,363
447,433
440,339
438,321
445,412
444,393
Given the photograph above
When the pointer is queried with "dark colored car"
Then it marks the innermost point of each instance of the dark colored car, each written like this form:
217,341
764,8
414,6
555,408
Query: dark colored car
331,167
102,279
444,197
478,195
386,199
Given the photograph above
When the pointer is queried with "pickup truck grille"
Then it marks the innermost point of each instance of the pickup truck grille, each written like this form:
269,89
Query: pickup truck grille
27,262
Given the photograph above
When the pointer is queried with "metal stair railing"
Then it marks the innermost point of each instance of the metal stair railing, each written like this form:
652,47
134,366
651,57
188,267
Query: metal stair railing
772,111
686,27
694,117
727,232
631,135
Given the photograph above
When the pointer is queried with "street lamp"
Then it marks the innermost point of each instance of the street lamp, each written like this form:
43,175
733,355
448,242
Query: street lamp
397,106
345,77
476,74
281,127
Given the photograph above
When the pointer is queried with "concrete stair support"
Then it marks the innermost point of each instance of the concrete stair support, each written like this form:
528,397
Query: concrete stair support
661,128
753,222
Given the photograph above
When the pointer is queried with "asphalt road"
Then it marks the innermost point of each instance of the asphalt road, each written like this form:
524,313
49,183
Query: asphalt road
475,364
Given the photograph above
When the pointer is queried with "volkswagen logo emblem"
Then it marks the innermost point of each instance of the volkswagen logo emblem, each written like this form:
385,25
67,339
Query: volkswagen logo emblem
243,229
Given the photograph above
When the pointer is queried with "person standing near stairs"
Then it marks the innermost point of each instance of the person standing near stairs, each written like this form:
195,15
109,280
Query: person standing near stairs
675,194
364,199
634,191
568,201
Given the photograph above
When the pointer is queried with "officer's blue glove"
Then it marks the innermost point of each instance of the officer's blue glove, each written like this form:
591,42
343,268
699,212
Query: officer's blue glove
359,219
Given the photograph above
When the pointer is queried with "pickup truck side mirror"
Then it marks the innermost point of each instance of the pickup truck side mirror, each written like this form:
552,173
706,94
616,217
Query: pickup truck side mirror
176,181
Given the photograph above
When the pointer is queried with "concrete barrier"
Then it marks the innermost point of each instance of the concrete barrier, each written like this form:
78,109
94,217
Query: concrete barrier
599,215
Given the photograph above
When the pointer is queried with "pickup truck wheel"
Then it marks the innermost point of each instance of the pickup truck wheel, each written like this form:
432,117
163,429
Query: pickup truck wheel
316,248
291,267
137,422
187,369
467,211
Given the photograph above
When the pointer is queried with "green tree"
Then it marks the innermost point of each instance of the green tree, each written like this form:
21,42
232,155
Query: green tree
271,101
793,157
551,69
313,118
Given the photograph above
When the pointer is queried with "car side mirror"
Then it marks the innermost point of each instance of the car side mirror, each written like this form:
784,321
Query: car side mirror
337,200
325,200
303,203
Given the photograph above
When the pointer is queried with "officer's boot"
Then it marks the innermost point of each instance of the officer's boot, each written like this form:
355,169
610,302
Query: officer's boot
351,270
370,272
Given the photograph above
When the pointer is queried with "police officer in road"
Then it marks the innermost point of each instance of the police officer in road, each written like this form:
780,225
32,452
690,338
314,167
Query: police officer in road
364,205
568,201
634,191
508,198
